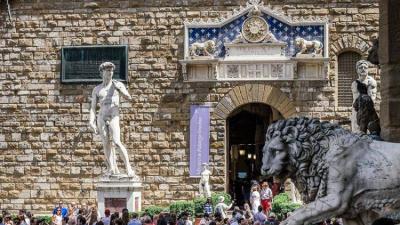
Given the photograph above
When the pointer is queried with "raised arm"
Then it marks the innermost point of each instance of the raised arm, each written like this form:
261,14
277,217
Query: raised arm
122,89
92,115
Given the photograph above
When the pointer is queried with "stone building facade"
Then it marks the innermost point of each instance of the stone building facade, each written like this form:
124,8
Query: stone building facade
48,153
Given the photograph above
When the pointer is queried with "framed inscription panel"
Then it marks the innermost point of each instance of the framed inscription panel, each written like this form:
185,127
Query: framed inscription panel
80,64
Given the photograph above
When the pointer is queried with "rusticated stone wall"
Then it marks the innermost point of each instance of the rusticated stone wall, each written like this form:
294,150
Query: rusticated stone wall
46,150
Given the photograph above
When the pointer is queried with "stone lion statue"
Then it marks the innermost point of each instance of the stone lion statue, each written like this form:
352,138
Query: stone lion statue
206,48
338,173
308,47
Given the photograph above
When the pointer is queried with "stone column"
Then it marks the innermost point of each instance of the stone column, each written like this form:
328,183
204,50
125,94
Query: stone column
389,59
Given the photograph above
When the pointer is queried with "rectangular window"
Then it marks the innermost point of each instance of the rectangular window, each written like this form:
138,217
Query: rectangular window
346,75
80,64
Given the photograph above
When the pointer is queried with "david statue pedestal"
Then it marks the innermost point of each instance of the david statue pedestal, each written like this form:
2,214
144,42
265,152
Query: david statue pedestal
115,190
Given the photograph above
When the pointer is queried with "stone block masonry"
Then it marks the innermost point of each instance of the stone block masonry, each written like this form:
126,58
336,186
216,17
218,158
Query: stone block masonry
47,152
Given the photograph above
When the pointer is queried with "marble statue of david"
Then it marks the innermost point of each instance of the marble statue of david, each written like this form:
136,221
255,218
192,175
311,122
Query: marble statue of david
107,95
204,185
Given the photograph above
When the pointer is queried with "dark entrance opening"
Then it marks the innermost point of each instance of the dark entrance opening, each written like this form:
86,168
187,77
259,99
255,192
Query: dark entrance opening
247,127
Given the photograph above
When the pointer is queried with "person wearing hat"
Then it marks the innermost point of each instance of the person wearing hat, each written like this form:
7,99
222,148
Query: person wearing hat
221,207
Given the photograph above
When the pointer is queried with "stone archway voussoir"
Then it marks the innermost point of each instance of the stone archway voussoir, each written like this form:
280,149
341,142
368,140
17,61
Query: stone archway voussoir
250,93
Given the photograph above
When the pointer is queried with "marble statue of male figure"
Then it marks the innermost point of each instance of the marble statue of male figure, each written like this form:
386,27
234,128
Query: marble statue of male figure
362,71
204,185
107,95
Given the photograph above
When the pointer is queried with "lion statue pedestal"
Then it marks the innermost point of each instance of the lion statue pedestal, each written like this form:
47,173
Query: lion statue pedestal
308,48
338,173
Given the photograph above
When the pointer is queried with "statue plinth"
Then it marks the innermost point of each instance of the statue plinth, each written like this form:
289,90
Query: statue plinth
116,192
310,55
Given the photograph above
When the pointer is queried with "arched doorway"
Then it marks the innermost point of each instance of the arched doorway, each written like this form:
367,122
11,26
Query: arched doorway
261,100
246,128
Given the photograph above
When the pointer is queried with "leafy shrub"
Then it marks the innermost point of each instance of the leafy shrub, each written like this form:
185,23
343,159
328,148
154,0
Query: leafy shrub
182,206
44,219
282,205
199,206
153,210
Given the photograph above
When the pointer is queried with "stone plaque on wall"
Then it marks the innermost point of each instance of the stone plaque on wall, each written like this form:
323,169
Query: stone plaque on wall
81,63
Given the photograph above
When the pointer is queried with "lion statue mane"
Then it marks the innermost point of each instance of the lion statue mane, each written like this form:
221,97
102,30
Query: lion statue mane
338,173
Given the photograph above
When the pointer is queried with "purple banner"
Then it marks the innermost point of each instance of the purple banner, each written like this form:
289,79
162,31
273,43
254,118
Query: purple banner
199,138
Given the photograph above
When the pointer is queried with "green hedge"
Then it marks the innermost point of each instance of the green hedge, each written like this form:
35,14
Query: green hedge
182,206
45,219
154,210
282,205
199,206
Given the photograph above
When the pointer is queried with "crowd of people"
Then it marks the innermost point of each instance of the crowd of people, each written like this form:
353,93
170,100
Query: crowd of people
84,215
218,215
23,218
257,211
